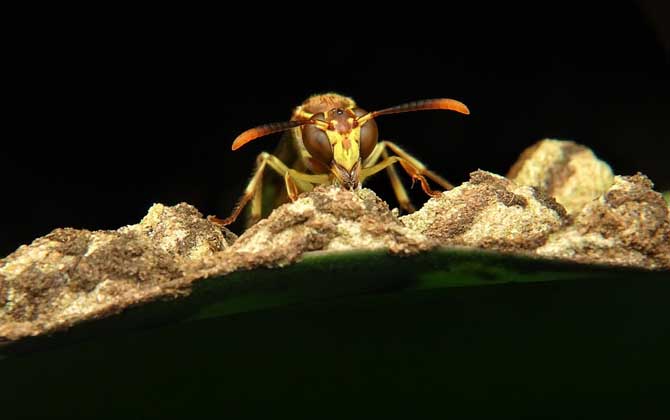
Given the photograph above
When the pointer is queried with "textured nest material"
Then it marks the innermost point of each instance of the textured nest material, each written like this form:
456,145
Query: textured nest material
73,275
70,275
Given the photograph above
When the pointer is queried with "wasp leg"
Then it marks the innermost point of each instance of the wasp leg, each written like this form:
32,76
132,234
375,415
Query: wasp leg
291,188
295,181
257,201
420,167
398,189
411,170
410,164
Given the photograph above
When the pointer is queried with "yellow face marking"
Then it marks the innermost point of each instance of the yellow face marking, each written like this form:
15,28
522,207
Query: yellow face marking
301,114
346,147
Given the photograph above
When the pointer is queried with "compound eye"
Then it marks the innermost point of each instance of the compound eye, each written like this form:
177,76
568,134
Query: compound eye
316,141
369,134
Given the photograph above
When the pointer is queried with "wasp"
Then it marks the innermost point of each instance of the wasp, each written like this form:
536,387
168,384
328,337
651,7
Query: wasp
336,142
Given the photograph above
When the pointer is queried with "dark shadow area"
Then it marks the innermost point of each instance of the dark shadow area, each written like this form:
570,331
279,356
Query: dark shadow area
111,121
560,349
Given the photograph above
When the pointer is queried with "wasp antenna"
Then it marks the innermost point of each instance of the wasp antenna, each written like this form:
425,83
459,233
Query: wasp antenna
423,105
263,130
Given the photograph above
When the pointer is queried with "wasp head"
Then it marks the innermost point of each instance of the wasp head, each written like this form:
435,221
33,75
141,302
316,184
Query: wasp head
338,140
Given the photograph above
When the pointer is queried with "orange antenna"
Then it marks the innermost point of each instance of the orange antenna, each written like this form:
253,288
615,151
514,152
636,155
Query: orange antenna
424,105
266,129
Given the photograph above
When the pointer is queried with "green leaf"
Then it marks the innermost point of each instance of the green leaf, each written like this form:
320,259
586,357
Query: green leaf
460,332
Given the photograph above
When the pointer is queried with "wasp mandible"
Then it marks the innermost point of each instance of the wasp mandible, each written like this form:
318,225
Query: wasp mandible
336,143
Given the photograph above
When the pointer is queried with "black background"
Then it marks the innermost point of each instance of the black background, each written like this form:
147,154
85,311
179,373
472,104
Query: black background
114,114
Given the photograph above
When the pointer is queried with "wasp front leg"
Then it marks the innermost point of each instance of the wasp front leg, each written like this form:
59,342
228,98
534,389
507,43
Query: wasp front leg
410,164
295,182
399,190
